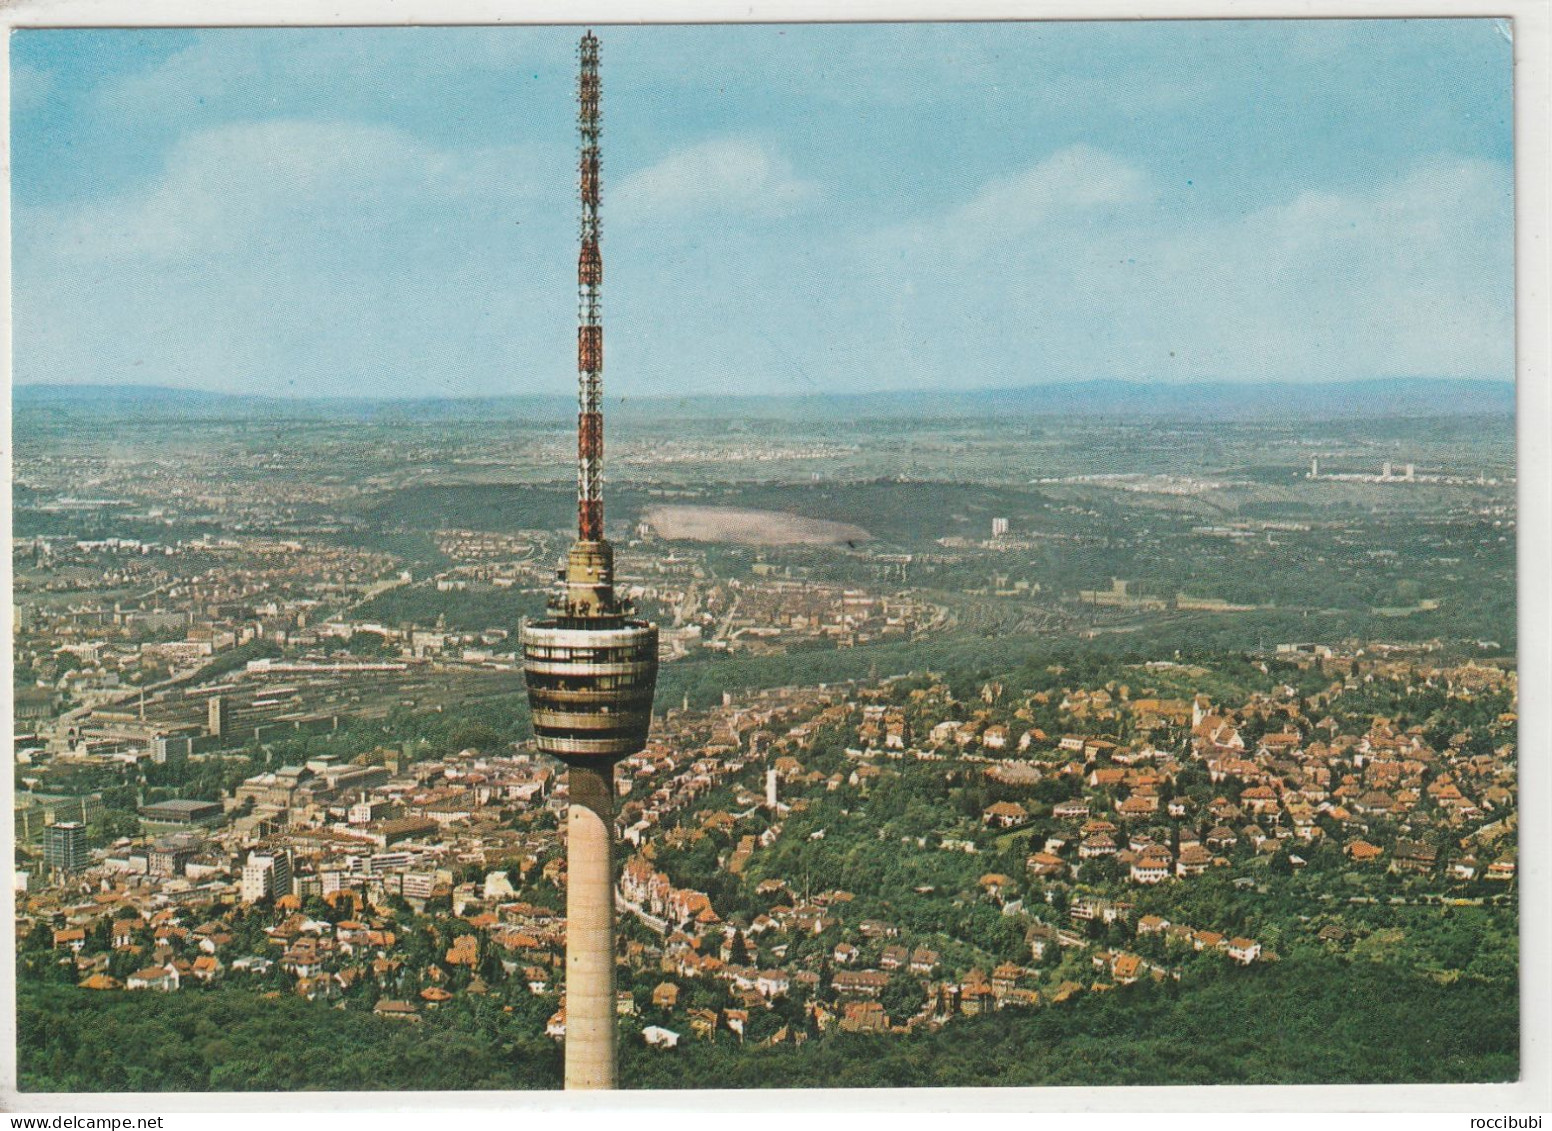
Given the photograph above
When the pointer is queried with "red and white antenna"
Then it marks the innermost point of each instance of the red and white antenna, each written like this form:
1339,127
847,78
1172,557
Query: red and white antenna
590,328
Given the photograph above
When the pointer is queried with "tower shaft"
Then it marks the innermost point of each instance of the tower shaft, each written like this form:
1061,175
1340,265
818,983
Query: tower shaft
590,1006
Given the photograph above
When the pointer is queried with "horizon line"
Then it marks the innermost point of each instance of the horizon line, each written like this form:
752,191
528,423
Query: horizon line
1095,382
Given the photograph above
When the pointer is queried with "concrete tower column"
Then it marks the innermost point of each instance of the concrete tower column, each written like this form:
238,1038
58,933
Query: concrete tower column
590,1005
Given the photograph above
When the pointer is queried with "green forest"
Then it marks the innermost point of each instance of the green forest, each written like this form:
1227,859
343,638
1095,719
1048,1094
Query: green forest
1311,1019
235,1040
1304,1022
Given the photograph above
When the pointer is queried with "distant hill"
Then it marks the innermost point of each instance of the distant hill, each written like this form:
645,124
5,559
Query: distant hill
161,402
26,396
1408,397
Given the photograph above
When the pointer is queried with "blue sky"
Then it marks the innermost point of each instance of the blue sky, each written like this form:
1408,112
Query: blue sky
787,209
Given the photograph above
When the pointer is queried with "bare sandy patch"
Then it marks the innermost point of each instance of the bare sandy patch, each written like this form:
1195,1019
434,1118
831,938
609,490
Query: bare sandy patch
749,527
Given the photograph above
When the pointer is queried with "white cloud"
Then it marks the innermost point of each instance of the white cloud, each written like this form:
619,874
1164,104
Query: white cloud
307,257
1074,180
1080,267
331,257
717,177
1406,278
280,181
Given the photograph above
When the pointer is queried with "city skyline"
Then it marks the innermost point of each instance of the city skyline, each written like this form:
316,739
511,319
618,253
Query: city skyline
855,208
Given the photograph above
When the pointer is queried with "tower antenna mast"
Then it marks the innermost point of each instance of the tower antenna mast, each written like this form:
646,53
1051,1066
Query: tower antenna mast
590,328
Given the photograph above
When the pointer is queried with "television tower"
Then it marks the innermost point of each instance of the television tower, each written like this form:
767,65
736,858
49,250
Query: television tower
590,667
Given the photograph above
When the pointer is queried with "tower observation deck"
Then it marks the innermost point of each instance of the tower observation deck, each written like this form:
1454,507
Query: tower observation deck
590,667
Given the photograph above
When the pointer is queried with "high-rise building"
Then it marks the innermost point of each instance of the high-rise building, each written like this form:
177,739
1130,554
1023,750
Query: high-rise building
266,876
590,667
218,716
170,855
417,885
64,848
170,748
258,878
